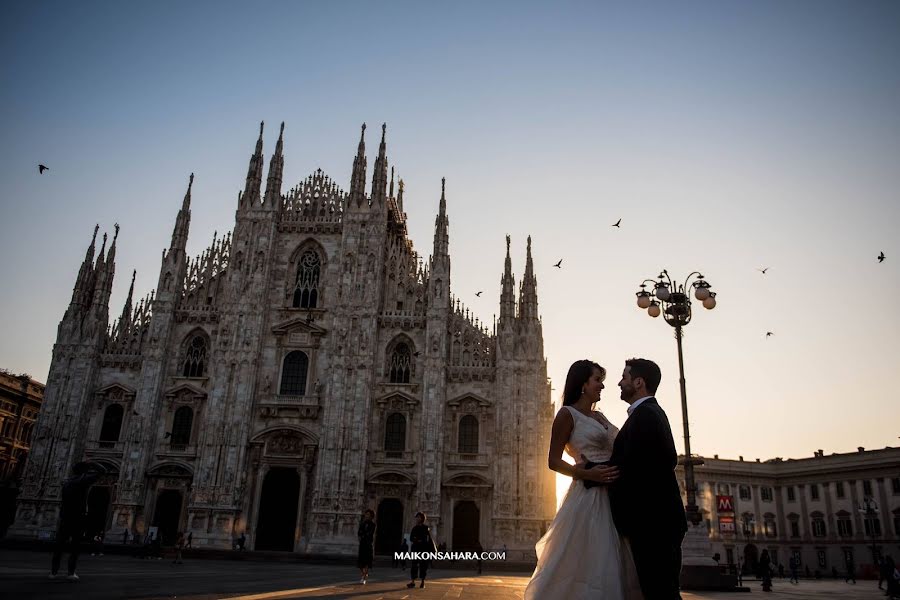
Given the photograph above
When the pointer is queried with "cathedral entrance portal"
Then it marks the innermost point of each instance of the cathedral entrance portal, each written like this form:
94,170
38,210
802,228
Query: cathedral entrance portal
389,526
97,509
167,515
277,523
466,517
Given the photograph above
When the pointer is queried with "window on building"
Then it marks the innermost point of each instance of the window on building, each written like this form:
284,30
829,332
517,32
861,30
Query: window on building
895,485
769,526
195,357
744,491
306,286
468,435
897,521
867,488
818,524
844,524
400,364
814,491
873,526
729,555
848,556
723,489
747,524
112,425
794,523
395,434
181,426
820,554
797,556
766,493
293,374
839,489
791,494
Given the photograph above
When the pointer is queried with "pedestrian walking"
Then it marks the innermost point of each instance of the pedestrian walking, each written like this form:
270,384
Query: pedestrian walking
404,548
366,553
72,516
765,567
179,546
794,566
421,541
851,571
190,539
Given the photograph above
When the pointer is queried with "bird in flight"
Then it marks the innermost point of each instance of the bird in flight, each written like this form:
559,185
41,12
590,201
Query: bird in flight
763,271
42,168
769,334
559,264
881,257
479,293
617,224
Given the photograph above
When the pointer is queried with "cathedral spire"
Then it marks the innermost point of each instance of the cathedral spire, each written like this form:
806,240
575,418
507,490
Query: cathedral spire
507,294
442,225
528,304
358,178
400,196
250,197
125,319
183,220
391,192
86,272
379,176
276,169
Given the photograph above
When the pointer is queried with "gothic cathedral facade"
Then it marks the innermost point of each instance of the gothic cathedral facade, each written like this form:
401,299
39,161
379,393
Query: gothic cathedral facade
302,369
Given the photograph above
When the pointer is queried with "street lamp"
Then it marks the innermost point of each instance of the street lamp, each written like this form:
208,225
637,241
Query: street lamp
672,300
870,509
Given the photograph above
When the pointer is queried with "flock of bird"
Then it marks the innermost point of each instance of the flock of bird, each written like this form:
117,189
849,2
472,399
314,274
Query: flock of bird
558,265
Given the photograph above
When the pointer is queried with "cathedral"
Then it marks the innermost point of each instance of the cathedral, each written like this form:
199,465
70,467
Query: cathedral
305,367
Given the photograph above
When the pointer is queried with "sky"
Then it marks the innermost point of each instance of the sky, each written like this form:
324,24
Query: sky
728,136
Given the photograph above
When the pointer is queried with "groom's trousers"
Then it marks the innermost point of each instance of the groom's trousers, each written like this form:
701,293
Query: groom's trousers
658,564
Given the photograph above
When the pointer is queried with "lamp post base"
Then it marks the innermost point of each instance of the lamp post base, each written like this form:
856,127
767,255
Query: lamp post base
698,570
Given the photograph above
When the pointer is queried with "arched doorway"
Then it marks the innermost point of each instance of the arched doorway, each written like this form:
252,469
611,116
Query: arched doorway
97,509
466,518
167,515
277,523
751,559
389,526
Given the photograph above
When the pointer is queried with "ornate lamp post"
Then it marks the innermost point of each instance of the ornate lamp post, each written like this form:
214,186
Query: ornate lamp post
676,310
672,300
869,508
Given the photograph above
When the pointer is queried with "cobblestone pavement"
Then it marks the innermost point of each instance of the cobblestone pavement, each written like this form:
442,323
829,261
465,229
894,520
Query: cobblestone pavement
23,575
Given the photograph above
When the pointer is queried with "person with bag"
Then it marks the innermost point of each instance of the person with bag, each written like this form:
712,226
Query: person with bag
420,541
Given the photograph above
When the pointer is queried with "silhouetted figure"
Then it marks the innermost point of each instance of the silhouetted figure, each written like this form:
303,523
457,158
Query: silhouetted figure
765,568
794,565
404,547
72,513
190,539
780,571
125,537
420,541
179,546
851,571
366,553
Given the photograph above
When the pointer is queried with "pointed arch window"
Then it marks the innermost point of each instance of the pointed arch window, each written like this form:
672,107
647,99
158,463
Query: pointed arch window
181,426
401,360
468,435
195,357
293,375
112,425
395,434
306,286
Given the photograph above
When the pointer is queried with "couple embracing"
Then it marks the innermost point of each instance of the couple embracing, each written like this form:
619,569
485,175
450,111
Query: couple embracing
618,532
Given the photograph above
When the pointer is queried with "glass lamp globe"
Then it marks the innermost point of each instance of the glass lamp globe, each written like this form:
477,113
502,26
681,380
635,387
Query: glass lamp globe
701,293
662,292
710,303
653,311
643,300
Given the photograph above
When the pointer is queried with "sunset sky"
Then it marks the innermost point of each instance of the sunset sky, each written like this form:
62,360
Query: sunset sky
727,136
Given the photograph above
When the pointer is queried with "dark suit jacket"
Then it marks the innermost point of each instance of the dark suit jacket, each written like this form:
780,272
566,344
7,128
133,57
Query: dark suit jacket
646,499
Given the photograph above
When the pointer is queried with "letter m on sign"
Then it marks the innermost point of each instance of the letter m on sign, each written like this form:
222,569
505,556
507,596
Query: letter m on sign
725,503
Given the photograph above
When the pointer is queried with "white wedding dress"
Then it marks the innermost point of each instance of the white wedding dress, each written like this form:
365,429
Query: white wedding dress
582,555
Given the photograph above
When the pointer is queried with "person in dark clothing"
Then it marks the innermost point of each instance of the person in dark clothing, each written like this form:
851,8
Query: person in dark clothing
646,500
780,571
420,540
851,571
765,568
794,565
72,515
366,535
190,539
404,547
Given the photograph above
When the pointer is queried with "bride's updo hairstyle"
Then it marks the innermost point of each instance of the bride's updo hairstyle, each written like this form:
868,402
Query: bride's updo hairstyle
579,373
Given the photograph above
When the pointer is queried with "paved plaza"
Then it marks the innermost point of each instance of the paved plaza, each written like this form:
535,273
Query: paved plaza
23,575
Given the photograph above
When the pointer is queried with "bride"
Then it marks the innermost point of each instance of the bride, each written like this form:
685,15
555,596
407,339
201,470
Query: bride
582,555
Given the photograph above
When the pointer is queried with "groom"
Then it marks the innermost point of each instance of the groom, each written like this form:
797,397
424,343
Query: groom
646,500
